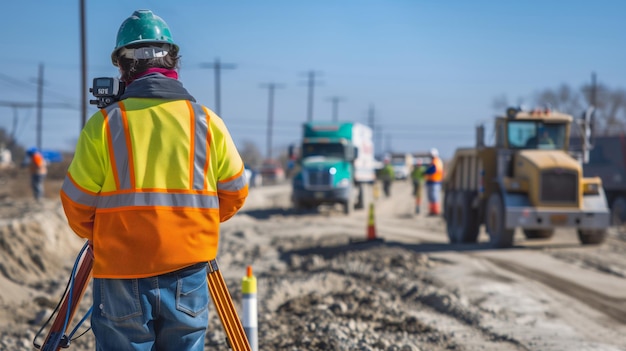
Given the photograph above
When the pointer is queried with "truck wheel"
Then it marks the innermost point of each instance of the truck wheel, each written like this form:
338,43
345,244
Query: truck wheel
538,233
466,222
618,215
449,214
591,236
499,236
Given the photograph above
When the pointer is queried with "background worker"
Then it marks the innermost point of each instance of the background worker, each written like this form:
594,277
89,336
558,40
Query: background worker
434,177
387,175
38,170
152,177
417,177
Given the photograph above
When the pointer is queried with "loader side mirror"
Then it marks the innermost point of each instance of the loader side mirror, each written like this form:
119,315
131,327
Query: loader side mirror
480,135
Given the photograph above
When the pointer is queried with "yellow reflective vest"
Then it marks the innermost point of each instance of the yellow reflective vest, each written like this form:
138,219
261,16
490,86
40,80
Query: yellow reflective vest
149,184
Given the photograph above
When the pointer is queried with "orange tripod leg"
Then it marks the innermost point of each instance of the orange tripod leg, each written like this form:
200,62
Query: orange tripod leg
226,310
54,340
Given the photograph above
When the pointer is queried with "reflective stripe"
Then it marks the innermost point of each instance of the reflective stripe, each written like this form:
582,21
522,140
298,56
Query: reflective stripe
233,185
77,195
118,130
153,199
117,134
200,146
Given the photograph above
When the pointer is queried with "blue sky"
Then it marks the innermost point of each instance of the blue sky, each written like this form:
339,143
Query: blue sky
431,69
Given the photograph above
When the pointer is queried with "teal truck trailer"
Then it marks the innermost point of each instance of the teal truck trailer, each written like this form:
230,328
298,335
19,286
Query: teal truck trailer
337,166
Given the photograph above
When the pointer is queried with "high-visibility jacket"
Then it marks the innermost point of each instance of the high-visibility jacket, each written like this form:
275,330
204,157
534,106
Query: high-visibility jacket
417,174
150,182
434,173
38,164
387,173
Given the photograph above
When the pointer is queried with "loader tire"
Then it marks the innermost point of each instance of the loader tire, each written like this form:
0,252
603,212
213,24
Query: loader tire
618,215
538,233
591,236
499,236
465,226
449,215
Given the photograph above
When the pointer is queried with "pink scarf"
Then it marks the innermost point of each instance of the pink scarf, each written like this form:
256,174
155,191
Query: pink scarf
170,73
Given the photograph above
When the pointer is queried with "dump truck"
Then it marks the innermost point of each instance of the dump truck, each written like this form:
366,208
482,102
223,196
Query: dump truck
528,179
336,166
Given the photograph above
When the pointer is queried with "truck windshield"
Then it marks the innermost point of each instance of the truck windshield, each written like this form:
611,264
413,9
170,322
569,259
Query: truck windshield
325,149
536,135
398,161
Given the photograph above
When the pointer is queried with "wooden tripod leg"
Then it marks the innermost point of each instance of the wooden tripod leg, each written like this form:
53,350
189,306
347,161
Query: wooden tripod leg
226,310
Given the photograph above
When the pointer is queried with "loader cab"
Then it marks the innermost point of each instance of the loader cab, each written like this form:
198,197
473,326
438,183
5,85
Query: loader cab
535,130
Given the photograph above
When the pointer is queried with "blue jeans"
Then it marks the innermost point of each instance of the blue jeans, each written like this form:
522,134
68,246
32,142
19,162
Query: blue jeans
37,184
434,192
166,312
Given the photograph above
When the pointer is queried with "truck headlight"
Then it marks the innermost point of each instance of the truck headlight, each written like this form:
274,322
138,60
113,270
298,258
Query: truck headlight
344,183
591,189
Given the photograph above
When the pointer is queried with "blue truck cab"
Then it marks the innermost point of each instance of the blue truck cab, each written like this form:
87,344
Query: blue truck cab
336,163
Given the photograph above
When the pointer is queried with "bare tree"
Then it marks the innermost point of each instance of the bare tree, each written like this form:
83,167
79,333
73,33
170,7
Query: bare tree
610,108
609,104
251,154
564,99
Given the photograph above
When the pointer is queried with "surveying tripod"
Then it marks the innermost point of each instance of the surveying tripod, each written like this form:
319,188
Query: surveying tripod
58,337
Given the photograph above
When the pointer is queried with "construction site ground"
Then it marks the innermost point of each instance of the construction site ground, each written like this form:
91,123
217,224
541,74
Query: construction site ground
323,286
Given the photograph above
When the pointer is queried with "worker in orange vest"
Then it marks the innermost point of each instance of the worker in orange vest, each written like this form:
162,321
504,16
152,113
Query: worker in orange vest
434,177
38,171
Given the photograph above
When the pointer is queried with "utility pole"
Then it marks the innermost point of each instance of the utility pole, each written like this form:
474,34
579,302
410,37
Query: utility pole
370,120
83,64
335,100
218,67
311,84
388,140
39,105
271,87
593,90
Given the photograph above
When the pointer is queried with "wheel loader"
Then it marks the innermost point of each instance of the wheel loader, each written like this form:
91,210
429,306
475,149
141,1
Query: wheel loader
528,179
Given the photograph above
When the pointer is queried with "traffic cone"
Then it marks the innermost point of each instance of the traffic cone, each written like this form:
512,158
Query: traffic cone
371,227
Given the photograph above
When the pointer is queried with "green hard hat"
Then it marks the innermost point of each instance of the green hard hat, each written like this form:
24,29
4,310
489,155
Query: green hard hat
142,26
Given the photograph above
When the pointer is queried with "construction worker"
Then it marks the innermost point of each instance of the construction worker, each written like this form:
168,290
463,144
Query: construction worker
417,177
152,177
387,176
434,177
38,170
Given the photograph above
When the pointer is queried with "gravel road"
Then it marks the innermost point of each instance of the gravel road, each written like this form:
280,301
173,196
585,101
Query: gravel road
323,286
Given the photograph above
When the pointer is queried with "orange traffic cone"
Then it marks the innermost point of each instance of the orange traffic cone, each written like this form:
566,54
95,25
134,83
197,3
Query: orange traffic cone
371,227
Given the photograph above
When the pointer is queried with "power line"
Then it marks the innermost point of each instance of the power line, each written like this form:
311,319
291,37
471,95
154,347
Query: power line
39,105
29,86
218,67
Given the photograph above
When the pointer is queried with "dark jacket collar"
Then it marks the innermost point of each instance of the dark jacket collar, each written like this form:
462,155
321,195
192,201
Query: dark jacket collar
157,86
